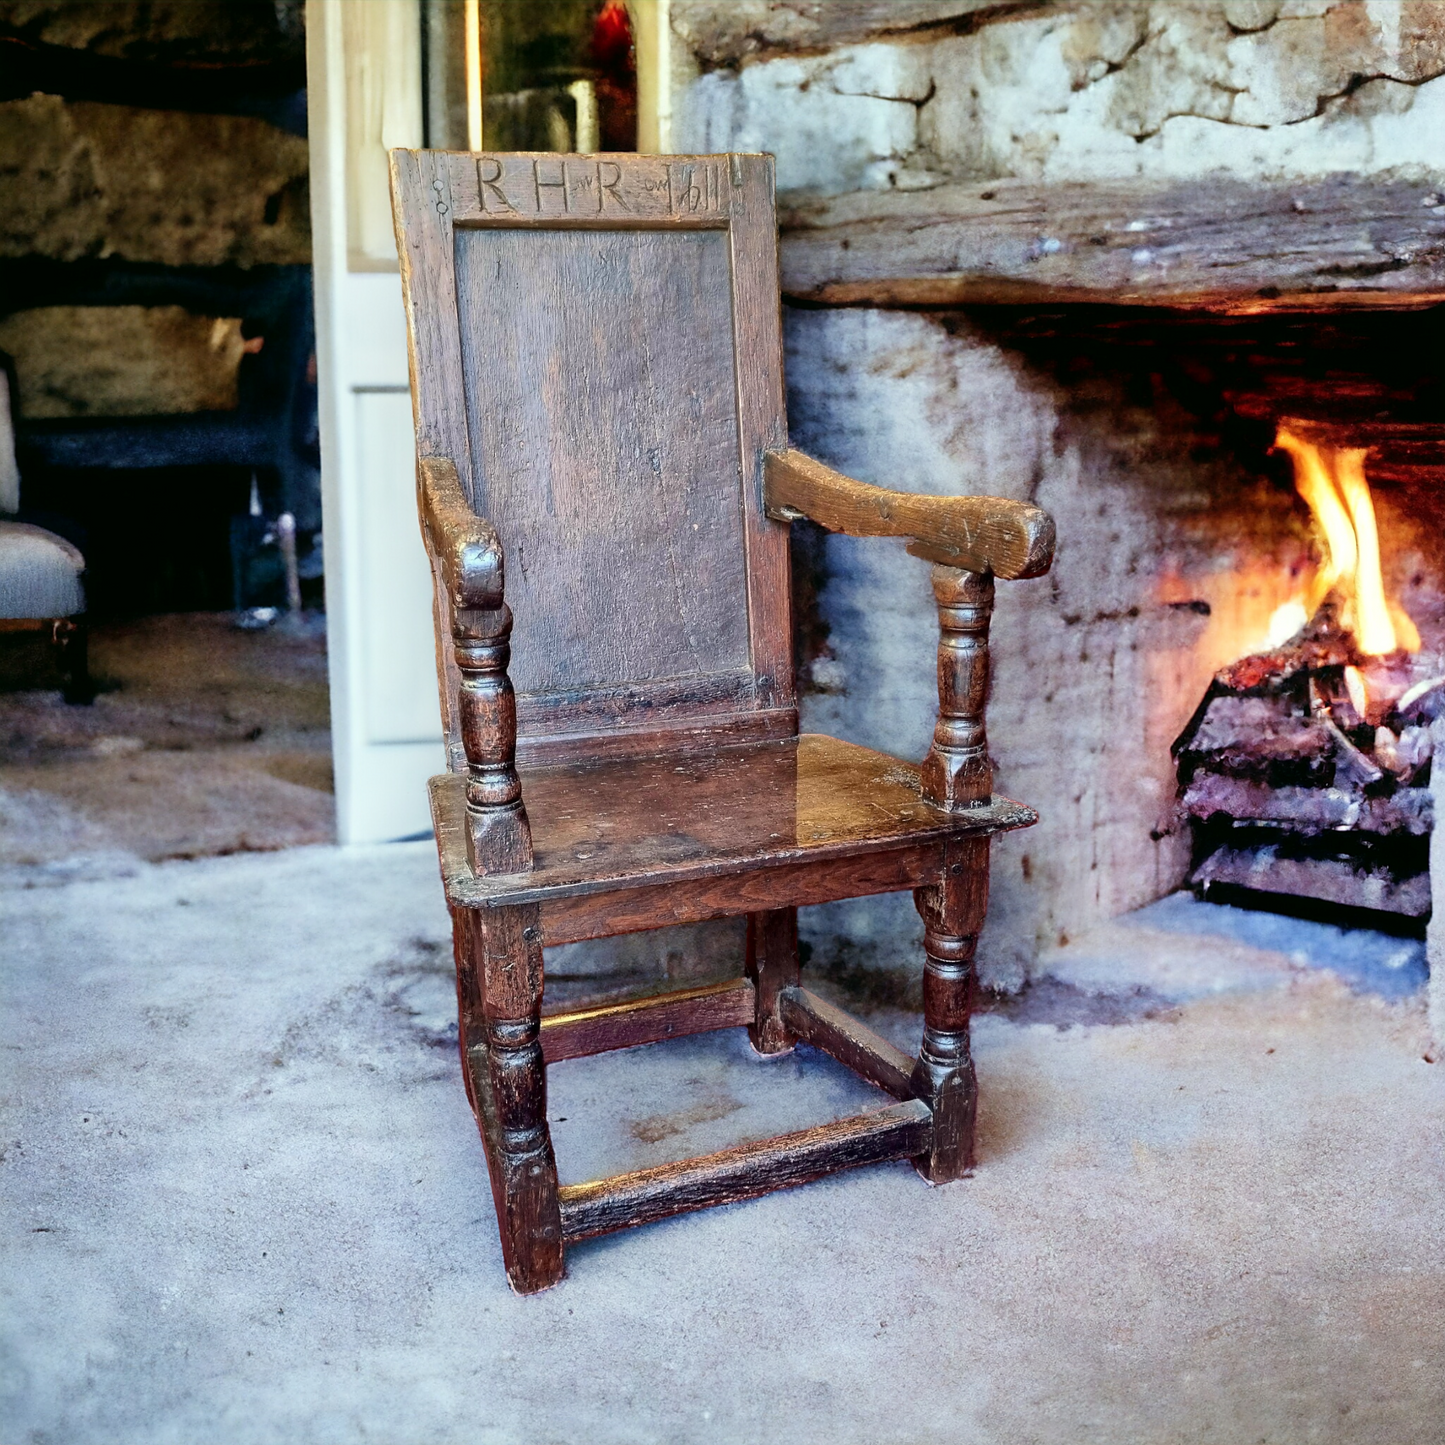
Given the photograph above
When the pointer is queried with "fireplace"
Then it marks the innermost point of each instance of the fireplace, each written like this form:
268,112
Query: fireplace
1302,548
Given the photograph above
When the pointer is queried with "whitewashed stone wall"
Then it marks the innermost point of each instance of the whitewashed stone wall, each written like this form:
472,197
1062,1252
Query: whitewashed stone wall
1095,90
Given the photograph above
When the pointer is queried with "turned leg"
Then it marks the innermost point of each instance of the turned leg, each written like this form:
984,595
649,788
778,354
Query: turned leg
502,981
953,912
772,964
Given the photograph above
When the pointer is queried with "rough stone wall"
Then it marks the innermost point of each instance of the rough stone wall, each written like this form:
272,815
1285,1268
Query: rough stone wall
1172,553
74,361
1101,89
1167,567
84,179
80,179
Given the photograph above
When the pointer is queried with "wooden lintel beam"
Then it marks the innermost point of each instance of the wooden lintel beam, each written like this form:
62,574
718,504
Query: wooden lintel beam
1213,242
580,1032
900,1131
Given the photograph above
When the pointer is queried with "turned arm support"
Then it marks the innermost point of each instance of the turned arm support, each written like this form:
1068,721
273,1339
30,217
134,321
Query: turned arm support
467,556
970,541
979,534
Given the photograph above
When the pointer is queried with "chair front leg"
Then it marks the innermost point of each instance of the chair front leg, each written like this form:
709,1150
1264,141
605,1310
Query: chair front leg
70,637
953,912
509,1081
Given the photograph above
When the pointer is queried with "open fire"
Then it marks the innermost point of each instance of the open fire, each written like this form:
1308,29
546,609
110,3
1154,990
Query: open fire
1305,769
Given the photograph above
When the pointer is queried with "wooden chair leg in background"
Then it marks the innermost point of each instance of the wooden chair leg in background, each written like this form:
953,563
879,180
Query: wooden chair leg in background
772,964
70,637
508,1078
953,913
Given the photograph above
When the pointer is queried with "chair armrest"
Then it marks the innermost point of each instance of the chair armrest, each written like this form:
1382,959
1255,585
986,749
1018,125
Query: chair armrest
464,546
979,534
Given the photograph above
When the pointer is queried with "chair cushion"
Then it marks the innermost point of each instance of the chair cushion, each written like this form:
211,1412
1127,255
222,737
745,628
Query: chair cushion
39,573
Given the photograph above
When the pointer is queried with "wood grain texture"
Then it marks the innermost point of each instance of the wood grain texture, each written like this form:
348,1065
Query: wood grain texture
772,965
500,979
899,1131
632,823
596,370
982,534
723,32
464,545
532,190
599,376
499,835
854,1045
815,1021
957,773
1210,242
611,340
762,419
571,919
953,912
581,1032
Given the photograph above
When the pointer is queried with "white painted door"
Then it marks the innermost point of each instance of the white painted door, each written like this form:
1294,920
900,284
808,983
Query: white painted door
364,92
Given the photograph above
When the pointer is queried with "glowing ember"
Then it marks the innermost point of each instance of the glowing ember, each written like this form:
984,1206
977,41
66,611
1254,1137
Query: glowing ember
1332,482
1359,693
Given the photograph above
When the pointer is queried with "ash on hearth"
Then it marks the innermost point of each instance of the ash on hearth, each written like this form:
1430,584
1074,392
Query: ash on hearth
1305,770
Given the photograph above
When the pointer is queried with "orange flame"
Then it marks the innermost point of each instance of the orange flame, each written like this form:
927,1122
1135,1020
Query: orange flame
1332,482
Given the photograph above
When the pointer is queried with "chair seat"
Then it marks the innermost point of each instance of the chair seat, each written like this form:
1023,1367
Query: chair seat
39,573
655,824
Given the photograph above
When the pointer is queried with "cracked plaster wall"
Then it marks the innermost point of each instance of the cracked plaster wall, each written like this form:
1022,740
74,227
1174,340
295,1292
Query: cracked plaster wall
1105,90
1095,670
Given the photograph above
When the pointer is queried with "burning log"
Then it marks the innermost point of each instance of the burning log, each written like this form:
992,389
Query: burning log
1305,770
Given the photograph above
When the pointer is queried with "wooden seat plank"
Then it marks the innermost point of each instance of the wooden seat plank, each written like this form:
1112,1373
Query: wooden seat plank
630,822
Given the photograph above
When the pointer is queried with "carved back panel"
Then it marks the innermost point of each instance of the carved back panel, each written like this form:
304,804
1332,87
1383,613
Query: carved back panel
595,344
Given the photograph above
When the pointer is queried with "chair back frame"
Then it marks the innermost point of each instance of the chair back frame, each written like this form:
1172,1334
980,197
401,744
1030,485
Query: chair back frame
652,601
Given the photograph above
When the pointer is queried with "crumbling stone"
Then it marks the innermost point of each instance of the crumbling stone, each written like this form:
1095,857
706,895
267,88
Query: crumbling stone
1111,89
81,179
165,31
73,361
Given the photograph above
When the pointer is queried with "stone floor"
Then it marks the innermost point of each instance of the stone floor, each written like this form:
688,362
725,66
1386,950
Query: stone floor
202,740
245,1202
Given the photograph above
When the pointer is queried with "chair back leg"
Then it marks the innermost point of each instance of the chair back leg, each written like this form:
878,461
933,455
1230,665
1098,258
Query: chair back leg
772,965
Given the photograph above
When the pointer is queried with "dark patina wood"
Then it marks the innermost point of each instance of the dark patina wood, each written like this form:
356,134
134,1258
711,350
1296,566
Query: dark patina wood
815,1021
953,912
580,1032
772,965
957,774
897,1132
1214,242
986,534
605,487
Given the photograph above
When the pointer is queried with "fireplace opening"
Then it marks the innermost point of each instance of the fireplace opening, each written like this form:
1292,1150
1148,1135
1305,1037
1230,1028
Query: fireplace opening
1263,495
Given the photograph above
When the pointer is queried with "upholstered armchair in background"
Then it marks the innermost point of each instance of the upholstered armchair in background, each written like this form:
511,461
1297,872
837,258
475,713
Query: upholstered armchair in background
41,573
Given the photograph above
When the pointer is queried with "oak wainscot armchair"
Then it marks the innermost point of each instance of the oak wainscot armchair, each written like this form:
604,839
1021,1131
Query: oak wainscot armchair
598,392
